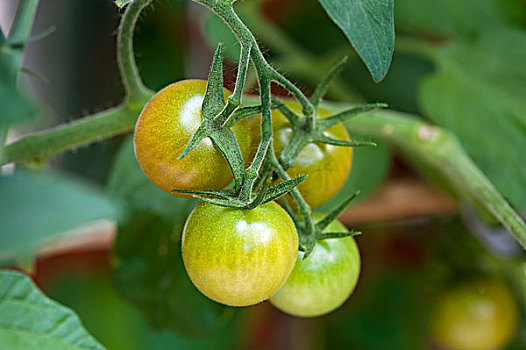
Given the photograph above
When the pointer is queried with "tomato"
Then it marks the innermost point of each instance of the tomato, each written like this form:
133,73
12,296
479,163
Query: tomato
327,166
324,280
475,315
163,129
239,257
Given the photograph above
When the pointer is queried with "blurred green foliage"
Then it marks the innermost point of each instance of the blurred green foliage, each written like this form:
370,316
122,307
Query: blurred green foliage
452,18
37,208
391,314
118,326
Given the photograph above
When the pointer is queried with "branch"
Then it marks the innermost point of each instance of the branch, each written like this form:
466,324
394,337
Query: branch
136,92
21,29
439,151
38,147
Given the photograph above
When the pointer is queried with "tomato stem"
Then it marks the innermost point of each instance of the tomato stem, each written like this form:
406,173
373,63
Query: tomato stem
136,92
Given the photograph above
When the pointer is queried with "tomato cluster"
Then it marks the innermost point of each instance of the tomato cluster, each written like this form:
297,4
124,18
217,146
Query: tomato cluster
240,257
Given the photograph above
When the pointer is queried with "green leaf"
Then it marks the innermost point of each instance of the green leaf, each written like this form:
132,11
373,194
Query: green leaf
36,208
478,92
30,320
369,26
147,265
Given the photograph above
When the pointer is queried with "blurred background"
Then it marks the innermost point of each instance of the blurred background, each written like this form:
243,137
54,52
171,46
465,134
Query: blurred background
459,64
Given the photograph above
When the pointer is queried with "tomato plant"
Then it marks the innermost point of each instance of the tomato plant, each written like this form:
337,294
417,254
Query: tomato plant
327,166
475,315
164,128
239,257
322,281
193,138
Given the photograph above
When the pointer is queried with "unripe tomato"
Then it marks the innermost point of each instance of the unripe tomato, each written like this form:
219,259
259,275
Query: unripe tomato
324,280
477,315
327,166
239,257
163,129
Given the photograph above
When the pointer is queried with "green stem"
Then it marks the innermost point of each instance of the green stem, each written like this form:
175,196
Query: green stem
293,149
252,172
308,235
20,32
246,38
3,138
38,147
440,151
25,15
296,61
136,92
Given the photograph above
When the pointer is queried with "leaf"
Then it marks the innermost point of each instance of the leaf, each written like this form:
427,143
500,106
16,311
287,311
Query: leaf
369,26
36,208
478,93
148,269
30,320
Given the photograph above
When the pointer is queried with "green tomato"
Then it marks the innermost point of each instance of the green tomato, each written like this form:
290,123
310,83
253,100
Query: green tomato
163,129
327,166
476,315
239,257
322,281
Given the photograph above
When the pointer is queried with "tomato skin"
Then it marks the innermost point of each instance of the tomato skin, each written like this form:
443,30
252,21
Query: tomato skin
163,129
239,257
327,166
324,280
475,315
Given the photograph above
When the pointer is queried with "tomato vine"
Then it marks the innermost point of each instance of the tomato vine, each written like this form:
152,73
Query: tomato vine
396,128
